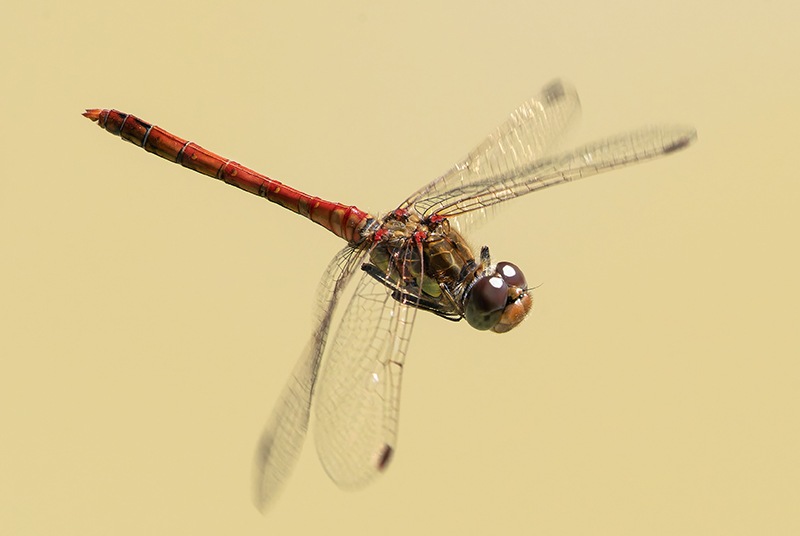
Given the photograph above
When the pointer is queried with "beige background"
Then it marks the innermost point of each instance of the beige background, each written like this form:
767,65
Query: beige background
150,316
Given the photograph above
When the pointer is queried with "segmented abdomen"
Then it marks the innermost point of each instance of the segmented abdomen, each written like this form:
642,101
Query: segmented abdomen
342,220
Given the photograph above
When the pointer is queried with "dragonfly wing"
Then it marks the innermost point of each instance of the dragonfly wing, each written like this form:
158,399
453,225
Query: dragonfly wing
531,132
357,402
616,152
282,439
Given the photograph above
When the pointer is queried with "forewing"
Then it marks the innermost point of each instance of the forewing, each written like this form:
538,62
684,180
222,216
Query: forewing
619,151
531,132
282,439
357,400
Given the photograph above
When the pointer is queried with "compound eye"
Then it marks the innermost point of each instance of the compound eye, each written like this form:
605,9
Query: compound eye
485,302
511,274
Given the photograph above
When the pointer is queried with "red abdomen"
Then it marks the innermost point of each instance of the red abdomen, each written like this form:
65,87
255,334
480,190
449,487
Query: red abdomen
342,220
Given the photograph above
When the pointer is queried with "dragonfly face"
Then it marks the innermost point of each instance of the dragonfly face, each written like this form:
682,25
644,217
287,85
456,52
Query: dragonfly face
498,300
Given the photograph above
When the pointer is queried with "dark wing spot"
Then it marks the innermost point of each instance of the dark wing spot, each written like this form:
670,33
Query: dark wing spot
678,145
554,91
384,457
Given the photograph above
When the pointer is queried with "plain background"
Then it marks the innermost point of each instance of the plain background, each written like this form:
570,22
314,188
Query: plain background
150,315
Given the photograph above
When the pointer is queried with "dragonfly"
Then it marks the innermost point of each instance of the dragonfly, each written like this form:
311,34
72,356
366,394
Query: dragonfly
413,258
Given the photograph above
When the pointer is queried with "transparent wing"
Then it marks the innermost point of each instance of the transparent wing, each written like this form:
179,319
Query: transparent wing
358,398
282,439
616,152
531,132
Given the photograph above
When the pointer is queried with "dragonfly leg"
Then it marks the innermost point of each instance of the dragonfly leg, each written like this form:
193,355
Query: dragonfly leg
415,299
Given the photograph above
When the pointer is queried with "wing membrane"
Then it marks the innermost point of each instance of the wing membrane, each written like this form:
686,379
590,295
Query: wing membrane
598,157
358,400
282,439
530,133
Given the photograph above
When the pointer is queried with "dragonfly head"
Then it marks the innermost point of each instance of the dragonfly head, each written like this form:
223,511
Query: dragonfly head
498,299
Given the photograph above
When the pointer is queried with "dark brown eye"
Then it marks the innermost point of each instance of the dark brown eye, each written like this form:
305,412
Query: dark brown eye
511,274
485,302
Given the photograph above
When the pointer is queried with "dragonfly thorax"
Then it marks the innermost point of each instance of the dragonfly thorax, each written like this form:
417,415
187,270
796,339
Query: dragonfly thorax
429,265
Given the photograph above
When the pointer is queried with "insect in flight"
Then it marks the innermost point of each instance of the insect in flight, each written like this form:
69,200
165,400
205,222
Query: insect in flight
413,258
